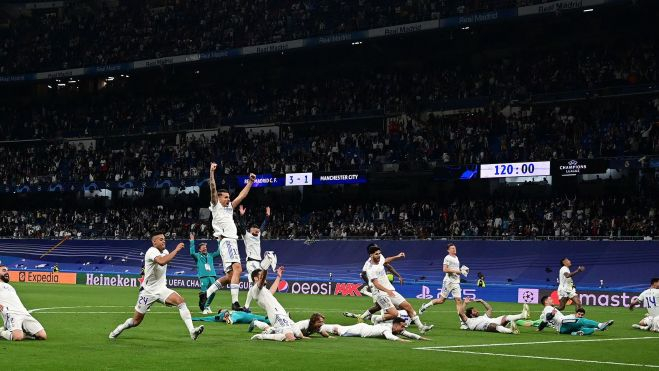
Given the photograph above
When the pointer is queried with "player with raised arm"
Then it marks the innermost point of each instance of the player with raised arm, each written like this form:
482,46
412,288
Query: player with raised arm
388,331
566,289
570,324
283,328
650,300
451,283
252,238
386,295
205,272
224,229
477,322
154,288
18,322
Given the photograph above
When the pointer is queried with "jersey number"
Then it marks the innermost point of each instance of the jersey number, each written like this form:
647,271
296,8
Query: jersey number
650,302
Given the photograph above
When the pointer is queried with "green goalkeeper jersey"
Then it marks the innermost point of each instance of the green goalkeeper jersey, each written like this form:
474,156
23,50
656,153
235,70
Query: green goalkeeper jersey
205,266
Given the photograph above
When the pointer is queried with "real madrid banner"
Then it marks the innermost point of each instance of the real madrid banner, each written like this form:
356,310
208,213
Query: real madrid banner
578,167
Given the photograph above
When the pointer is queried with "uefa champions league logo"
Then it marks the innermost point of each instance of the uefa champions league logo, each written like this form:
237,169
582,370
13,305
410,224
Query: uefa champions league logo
528,296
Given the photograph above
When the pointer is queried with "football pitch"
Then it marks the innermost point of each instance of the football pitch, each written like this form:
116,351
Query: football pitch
78,320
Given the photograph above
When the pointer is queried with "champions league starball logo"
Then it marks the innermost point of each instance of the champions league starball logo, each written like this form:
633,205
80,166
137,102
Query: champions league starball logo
528,296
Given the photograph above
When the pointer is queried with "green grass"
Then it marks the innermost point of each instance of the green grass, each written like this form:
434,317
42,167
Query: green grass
78,338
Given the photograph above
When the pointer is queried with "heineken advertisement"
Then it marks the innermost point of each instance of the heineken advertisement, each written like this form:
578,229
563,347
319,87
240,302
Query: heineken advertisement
131,280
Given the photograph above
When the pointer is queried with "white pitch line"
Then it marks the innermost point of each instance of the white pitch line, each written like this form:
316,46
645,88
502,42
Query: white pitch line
545,358
42,313
534,343
79,306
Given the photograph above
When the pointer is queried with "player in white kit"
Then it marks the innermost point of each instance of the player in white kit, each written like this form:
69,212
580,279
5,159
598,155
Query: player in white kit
476,322
571,324
650,300
451,282
154,288
18,322
566,289
283,328
388,331
385,293
315,324
252,238
224,229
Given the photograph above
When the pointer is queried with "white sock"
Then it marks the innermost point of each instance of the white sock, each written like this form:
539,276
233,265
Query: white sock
261,325
428,304
367,293
212,288
504,330
417,321
376,319
514,317
6,335
275,337
366,314
185,316
235,289
126,325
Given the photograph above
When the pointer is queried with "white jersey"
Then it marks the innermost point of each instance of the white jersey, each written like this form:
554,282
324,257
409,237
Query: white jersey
368,265
565,283
303,326
267,301
650,300
453,263
252,246
155,275
377,271
10,302
479,323
223,224
373,331
557,321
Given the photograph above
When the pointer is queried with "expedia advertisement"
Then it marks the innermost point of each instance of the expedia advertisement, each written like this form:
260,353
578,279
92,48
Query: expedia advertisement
43,277
578,167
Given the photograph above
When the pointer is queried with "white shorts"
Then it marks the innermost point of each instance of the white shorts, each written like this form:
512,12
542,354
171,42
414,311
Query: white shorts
25,323
229,253
567,293
451,288
479,323
252,265
385,301
147,298
283,324
647,320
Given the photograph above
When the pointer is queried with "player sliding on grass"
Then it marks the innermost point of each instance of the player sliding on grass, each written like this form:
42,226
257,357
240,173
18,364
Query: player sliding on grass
476,322
388,331
154,288
571,324
18,322
650,300
315,324
387,297
224,229
283,328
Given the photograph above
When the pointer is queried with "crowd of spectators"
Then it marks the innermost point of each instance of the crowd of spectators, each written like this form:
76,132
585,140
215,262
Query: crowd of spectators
99,33
618,128
557,217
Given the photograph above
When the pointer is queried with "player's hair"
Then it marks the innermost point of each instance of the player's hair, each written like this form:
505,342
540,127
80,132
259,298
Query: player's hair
397,320
203,244
314,319
544,299
469,312
652,281
562,261
372,248
3,265
448,246
581,310
154,234
256,272
222,190
368,248
254,226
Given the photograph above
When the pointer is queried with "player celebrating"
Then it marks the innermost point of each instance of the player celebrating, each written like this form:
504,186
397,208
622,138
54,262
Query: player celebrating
154,288
566,289
252,238
388,331
205,272
451,282
283,327
476,322
18,322
570,324
387,297
650,300
224,229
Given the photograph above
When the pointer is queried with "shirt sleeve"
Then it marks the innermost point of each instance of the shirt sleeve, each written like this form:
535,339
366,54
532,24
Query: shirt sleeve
264,224
250,295
150,255
446,261
641,297
410,335
193,251
390,336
